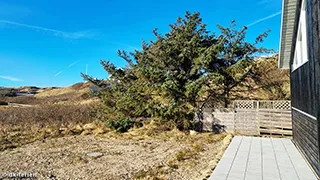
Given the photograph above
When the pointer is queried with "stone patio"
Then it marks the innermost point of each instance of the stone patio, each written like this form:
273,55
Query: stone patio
255,158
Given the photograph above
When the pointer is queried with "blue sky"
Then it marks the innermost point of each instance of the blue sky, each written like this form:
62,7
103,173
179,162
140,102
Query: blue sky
48,43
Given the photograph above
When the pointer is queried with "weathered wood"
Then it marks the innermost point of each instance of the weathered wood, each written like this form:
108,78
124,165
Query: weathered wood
305,136
275,121
276,132
314,39
255,118
225,118
305,81
305,89
246,121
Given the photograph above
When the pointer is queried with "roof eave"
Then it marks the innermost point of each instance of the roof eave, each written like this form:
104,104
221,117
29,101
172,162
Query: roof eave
289,9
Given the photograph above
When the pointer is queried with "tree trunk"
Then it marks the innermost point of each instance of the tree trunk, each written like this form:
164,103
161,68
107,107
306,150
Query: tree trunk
226,97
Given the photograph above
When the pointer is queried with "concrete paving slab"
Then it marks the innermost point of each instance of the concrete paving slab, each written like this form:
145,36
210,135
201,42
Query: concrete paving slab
255,158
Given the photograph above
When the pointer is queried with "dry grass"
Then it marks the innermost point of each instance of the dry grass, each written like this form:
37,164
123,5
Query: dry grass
53,109
22,100
195,160
199,155
191,158
23,125
76,89
76,94
66,111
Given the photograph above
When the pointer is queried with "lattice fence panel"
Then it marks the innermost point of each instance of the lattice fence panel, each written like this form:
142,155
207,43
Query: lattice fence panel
282,105
245,104
286,105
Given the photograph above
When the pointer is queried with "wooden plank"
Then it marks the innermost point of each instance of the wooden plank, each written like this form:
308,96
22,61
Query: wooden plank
275,122
276,131
249,119
274,114
275,117
277,127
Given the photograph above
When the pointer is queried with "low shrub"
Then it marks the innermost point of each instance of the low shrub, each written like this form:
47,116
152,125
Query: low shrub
7,93
3,103
186,154
22,100
122,125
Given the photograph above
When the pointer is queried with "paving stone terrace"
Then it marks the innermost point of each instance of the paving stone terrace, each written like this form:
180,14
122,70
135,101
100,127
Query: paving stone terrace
255,158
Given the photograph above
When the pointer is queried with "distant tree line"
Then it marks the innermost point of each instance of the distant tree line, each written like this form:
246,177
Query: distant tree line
7,92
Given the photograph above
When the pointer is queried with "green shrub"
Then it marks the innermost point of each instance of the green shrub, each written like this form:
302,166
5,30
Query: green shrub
92,94
122,125
11,94
181,155
3,103
7,93
173,165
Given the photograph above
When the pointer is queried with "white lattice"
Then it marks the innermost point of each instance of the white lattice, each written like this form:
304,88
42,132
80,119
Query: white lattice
245,104
281,105
286,105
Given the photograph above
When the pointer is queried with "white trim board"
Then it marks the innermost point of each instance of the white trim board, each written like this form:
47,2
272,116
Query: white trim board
304,113
301,49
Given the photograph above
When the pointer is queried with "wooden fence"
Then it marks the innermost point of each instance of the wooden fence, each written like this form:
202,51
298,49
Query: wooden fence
251,118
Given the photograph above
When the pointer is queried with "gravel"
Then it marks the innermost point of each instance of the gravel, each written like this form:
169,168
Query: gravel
67,157
90,157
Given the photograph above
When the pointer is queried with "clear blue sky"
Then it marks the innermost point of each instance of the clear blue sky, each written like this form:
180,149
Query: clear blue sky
48,43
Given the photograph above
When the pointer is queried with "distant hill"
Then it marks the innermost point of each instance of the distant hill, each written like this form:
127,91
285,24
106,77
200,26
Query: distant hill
267,83
75,94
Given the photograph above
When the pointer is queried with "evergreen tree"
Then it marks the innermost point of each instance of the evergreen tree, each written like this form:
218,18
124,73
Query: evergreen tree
173,77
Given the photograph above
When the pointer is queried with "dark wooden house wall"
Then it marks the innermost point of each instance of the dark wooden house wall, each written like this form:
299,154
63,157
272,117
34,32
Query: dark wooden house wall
305,86
315,6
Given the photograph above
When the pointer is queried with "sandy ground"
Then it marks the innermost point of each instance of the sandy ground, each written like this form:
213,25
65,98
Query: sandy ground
65,158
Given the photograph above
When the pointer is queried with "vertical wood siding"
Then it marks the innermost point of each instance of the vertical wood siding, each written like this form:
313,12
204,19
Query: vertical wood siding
314,24
305,87
305,136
